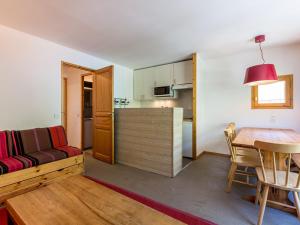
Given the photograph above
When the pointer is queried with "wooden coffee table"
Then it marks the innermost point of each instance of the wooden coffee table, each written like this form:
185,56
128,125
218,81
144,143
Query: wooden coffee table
78,200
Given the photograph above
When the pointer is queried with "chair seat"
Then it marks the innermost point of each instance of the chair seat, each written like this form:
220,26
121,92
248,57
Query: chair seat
247,161
293,177
247,152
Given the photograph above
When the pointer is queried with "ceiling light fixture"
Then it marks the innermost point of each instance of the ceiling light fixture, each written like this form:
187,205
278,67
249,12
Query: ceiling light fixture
262,73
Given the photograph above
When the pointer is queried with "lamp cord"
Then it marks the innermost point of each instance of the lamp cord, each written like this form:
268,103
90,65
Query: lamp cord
261,53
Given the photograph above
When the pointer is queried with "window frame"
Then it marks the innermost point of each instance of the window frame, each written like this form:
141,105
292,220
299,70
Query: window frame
288,93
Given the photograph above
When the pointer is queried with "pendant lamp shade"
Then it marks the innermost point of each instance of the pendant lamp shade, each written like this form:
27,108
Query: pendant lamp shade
260,74
263,73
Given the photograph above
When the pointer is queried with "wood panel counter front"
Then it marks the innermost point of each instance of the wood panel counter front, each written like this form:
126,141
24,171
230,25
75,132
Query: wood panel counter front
150,139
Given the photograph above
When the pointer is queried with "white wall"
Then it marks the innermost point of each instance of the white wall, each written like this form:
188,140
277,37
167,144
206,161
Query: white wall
222,98
30,78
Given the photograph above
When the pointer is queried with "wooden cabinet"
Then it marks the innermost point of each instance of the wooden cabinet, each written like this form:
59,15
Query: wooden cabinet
143,84
163,75
123,83
183,72
166,75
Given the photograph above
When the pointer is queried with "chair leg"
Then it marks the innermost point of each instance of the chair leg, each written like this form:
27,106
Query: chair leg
258,189
232,170
297,203
229,172
263,205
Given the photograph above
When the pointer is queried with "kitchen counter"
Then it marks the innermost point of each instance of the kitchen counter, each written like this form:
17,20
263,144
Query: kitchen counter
150,139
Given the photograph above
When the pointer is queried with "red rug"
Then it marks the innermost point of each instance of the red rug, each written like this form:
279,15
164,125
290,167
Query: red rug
3,216
170,211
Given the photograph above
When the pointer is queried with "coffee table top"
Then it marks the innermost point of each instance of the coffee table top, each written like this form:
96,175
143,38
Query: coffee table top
78,200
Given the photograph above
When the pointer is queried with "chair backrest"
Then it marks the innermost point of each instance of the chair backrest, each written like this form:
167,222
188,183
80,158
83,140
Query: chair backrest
232,126
229,138
277,150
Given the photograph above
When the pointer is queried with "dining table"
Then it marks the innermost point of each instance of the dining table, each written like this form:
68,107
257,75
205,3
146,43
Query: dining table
248,135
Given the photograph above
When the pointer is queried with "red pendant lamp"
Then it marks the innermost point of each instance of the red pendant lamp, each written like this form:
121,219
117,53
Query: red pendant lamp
262,73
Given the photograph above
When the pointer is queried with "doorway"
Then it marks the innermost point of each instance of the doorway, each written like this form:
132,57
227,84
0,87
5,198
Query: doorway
71,114
88,109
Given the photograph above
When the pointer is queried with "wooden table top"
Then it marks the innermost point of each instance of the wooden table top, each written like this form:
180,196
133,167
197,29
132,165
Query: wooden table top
247,136
78,200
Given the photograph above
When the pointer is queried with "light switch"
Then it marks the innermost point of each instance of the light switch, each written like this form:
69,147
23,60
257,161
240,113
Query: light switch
273,119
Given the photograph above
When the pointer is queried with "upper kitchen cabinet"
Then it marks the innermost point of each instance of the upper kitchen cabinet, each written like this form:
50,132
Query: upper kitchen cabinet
143,84
123,82
183,72
163,75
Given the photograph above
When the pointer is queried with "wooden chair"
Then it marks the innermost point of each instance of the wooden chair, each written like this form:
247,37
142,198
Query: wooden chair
241,151
238,161
270,175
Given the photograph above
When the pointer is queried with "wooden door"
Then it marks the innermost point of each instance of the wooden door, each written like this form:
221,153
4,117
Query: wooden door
103,115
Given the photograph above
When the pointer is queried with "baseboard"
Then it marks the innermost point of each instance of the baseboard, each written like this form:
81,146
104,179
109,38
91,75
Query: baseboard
212,153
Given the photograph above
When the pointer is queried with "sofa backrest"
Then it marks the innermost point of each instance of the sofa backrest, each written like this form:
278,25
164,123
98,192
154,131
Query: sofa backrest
58,136
11,150
35,140
3,145
29,141
43,138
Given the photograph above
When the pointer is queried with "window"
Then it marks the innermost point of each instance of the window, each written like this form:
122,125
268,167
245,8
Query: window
277,95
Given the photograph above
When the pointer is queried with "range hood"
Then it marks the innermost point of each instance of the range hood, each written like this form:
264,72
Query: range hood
182,86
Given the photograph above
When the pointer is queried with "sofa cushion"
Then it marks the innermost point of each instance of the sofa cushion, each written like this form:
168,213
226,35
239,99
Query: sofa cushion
58,136
29,141
10,165
47,156
59,141
43,139
71,151
3,145
36,144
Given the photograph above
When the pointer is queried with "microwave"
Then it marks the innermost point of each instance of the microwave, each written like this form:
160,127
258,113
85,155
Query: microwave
163,91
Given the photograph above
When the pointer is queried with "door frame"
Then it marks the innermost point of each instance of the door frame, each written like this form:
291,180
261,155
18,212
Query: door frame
89,70
194,107
82,107
65,103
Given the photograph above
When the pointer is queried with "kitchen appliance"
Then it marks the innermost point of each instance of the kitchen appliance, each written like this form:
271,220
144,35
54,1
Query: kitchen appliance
164,91
187,138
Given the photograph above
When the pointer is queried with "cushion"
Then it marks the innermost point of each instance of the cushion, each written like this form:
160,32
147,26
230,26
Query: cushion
59,141
29,141
43,138
3,145
47,156
58,136
10,165
35,144
17,148
71,151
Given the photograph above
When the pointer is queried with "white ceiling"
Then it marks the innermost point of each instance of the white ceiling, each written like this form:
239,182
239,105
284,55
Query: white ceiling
140,33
